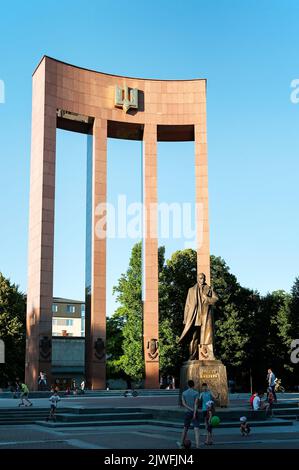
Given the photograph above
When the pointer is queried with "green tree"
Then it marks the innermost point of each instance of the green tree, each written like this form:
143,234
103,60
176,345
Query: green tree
129,316
114,334
233,317
252,332
294,309
125,350
12,330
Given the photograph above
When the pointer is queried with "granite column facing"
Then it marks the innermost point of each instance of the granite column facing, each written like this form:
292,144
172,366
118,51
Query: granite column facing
150,240
201,195
95,363
41,226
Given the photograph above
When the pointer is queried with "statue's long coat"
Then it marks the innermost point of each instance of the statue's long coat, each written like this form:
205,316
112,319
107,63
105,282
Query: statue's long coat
198,312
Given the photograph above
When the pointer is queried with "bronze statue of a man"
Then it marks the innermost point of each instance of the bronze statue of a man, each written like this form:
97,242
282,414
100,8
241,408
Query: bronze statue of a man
198,319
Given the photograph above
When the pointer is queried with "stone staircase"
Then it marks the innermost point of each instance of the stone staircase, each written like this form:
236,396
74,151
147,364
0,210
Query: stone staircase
100,393
284,414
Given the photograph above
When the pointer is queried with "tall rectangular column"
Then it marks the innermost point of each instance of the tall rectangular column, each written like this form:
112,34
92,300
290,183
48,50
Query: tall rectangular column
150,258
41,227
201,181
95,337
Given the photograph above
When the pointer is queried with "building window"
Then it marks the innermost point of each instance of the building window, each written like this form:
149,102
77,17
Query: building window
82,310
54,308
70,308
63,322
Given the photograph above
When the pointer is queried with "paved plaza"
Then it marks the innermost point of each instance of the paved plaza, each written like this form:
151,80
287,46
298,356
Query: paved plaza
137,436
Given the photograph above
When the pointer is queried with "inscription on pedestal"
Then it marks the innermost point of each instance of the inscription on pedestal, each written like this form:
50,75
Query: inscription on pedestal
208,374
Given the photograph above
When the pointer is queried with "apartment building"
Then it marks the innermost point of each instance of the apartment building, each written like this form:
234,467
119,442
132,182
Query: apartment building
68,317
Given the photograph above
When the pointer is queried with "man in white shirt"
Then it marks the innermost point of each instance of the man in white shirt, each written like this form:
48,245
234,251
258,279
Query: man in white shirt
271,379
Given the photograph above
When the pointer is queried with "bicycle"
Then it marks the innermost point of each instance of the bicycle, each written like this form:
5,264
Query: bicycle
278,387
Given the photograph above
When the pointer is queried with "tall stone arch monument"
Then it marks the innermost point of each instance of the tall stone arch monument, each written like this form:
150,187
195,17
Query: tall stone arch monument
102,106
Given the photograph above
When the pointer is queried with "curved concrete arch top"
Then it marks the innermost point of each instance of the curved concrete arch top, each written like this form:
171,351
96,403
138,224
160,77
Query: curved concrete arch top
90,93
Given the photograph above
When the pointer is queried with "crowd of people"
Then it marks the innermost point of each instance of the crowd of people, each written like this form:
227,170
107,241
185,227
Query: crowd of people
194,401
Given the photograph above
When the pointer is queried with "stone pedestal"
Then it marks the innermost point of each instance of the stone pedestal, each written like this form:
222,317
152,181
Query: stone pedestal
211,372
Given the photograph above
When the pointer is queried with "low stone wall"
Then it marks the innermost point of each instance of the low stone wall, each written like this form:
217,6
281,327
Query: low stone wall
68,352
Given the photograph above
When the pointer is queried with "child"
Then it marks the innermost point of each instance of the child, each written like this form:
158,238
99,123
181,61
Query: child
210,413
54,399
24,395
244,427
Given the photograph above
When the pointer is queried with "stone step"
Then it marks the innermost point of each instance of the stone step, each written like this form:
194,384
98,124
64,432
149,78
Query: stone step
70,417
97,393
286,404
154,422
224,415
286,409
92,423
293,417
228,424
82,410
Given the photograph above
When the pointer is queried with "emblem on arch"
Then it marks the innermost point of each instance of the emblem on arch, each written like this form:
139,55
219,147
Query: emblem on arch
126,98
100,348
153,348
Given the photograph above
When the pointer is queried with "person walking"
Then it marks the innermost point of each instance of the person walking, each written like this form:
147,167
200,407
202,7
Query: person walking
24,395
54,399
17,392
271,383
190,401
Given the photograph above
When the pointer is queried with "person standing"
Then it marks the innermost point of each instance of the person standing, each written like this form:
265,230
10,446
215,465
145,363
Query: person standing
17,388
24,395
271,382
54,399
173,382
205,396
209,415
42,380
190,398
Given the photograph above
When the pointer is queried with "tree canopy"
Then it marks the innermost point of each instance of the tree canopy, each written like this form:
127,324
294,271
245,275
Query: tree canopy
12,330
253,332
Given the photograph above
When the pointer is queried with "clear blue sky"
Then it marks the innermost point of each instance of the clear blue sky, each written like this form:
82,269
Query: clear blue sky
247,50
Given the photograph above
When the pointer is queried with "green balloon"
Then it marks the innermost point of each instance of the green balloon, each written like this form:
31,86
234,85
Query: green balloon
215,421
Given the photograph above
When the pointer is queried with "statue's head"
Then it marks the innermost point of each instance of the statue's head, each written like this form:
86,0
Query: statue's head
201,279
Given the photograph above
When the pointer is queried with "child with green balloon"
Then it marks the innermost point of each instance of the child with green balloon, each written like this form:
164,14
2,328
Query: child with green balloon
211,422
